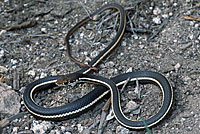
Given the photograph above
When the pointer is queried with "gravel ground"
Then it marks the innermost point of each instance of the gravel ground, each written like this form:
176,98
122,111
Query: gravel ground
31,47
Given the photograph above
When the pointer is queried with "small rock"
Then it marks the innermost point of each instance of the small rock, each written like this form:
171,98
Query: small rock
122,130
3,69
191,23
44,30
81,35
131,105
196,26
2,53
9,101
80,128
170,14
175,41
157,20
15,130
2,31
165,16
56,22
31,73
67,133
175,4
129,70
63,129
43,75
13,62
57,131
94,54
124,43
177,66
109,64
40,128
191,36
156,11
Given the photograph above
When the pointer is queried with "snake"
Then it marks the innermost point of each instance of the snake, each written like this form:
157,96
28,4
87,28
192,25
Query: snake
104,86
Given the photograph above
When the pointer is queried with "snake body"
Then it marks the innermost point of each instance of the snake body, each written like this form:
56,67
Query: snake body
104,87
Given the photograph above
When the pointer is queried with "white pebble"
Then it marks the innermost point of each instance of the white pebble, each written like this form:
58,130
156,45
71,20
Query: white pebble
129,70
170,14
175,4
191,36
68,133
3,69
177,66
131,105
81,35
80,128
156,11
13,62
165,16
56,22
15,129
187,1
157,20
122,130
44,30
31,73
1,53
63,129
94,54
43,75
2,31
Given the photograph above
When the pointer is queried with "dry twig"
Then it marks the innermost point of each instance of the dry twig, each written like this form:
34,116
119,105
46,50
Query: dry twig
192,18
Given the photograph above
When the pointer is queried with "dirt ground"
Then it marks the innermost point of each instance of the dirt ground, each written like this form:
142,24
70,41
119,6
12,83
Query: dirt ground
166,39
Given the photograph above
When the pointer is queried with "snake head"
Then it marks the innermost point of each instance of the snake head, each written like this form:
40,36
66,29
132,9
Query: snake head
67,78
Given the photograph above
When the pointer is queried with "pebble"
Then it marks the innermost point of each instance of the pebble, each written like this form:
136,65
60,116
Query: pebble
94,54
170,14
156,11
165,16
124,43
196,26
9,101
15,130
81,35
129,70
43,75
131,105
177,66
175,4
2,53
13,62
80,128
122,130
3,69
110,64
56,22
157,20
191,36
40,128
63,129
31,73
67,133
2,31
43,30
191,23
